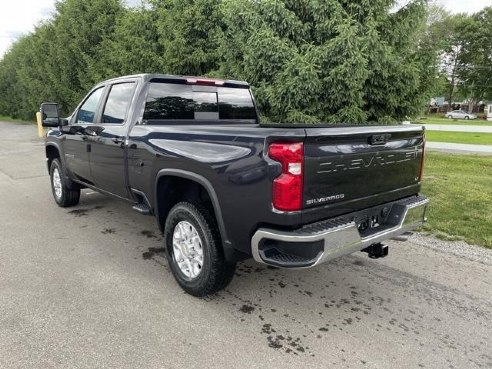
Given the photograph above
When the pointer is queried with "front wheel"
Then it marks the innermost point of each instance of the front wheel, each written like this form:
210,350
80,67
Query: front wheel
450,116
467,117
64,196
194,250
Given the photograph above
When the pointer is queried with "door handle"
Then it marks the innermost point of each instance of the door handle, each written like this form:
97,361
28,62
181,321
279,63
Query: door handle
118,140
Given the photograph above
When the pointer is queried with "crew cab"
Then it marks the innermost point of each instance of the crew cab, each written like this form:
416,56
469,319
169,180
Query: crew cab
191,152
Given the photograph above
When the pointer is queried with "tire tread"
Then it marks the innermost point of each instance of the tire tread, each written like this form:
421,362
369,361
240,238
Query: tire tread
70,197
221,271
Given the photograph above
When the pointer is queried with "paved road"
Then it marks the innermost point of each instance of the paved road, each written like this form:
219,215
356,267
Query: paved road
88,288
458,128
459,148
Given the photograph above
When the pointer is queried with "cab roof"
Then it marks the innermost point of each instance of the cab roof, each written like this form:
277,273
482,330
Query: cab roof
190,80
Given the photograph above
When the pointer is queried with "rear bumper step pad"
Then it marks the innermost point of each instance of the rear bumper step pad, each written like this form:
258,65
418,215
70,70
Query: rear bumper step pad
320,242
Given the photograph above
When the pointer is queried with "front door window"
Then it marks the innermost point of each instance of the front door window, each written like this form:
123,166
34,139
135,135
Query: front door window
87,112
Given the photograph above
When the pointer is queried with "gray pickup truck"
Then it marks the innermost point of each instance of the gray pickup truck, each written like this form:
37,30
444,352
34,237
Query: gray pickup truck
223,187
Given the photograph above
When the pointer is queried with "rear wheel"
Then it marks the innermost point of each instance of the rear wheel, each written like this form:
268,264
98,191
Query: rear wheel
194,250
64,196
467,117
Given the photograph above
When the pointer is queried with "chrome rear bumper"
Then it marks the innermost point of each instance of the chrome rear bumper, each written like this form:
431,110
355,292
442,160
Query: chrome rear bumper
335,239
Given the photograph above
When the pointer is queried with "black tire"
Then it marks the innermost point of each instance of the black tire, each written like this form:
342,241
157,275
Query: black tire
215,272
450,117
66,197
467,117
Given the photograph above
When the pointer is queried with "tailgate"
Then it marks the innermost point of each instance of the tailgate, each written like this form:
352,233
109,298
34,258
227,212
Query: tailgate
344,165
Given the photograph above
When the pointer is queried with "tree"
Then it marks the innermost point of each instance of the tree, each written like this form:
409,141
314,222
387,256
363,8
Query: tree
188,33
308,61
453,48
334,61
80,30
24,74
60,60
11,102
135,47
475,60
465,44
432,46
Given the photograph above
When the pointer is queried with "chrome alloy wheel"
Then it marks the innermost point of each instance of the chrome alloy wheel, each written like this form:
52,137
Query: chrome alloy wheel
187,249
57,185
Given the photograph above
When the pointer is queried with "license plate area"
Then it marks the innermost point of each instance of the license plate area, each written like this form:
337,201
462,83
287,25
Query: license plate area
371,220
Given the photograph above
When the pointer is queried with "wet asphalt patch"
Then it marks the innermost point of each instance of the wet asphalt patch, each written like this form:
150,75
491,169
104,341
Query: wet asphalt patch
321,313
153,251
148,234
84,212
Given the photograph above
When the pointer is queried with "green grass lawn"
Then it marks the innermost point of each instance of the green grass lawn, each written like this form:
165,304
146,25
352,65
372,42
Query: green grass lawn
3,118
460,137
438,120
460,191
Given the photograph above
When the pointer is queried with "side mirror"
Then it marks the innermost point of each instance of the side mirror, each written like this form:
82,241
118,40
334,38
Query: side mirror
50,115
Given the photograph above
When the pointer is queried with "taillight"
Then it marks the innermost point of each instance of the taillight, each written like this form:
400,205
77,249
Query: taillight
421,173
288,186
204,82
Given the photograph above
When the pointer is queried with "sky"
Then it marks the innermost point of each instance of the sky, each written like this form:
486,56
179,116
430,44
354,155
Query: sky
18,17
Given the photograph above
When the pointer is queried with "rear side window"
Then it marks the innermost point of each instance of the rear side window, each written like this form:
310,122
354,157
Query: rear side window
236,103
167,101
118,102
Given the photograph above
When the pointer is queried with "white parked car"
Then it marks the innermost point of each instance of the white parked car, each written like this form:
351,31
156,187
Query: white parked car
460,114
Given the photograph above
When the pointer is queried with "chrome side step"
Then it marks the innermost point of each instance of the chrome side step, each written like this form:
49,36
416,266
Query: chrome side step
142,209
142,206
